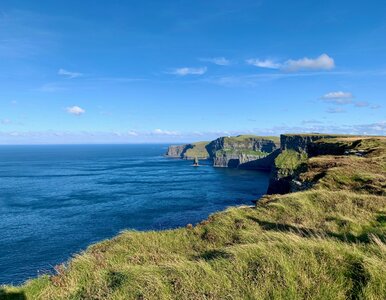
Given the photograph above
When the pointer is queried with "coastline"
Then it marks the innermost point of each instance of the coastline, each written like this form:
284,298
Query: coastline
325,215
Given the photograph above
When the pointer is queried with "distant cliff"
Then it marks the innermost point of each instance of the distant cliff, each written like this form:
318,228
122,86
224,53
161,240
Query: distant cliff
239,151
177,151
302,142
188,151
243,151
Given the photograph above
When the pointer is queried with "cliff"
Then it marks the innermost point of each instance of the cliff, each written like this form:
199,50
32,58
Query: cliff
302,142
243,151
326,241
178,151
295,151
188,151
237,152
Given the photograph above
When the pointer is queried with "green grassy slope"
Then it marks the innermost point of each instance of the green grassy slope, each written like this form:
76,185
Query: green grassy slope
328,242
198,150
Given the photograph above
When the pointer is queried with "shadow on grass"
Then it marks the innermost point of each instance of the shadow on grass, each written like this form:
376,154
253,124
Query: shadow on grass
214,254
4,295
311,233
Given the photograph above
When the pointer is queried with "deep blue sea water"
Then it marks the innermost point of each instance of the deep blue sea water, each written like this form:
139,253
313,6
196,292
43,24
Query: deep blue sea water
56,200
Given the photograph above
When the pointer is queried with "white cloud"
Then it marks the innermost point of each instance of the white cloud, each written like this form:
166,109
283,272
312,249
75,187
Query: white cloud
221,61
75,110
189,71
164,132
337,95
267,63
341,98
69,74
322,62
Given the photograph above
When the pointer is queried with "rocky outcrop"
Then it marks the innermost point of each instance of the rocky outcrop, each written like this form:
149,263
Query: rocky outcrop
242,143
295,147
241,151
188,151
301,142
232,160
178,151
263,163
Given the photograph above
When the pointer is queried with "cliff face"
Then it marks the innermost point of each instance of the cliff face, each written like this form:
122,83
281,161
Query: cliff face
177,151
295,149
301,142
241,151
232,160
188,151
244,151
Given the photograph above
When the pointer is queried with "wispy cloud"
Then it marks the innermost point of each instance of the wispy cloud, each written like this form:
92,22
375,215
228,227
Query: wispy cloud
164,132
335,110
322,62
362,104
343,98
51,88
6,122
254,79
189,71
338,97
267,63
75,110
44,137
312,122
69,74
220,61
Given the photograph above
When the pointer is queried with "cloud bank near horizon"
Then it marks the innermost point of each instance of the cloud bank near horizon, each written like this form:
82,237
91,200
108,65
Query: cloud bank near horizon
170,136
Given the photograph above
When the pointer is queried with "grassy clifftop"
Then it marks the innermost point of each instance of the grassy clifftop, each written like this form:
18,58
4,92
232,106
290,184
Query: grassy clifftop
245,137
327,242
198,150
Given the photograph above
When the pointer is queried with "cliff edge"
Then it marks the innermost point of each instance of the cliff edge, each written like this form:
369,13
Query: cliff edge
326,239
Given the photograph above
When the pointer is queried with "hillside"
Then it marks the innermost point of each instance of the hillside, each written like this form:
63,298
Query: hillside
324,239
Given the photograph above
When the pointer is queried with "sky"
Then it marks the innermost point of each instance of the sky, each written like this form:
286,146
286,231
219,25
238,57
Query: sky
182,71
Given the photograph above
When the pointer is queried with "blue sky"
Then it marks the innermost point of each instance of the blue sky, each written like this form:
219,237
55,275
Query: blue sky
180,71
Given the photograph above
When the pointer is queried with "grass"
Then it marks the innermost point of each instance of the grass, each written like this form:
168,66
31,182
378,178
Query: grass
246,137
328,242
289,161
199,150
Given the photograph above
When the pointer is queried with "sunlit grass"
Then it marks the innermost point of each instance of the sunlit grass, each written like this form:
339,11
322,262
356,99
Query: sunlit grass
324,243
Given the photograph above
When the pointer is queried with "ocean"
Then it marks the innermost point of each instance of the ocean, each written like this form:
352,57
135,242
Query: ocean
55,200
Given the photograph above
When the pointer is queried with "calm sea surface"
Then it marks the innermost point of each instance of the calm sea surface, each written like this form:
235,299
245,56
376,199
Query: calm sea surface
57,200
